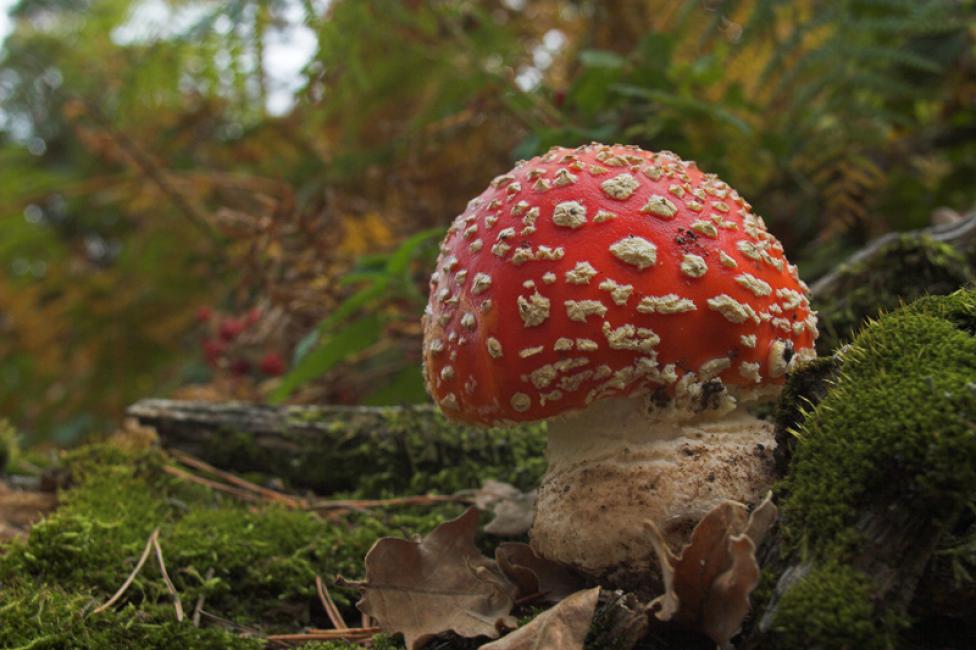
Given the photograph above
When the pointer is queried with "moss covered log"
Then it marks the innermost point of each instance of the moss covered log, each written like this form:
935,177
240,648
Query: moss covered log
884,464
370,451
900,269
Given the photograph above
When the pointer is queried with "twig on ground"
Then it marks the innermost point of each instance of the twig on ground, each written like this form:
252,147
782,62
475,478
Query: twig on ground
132,576
530,598
248,491
352,634
177,603
268,493
213,485
329,605
243,630
198,608
362,504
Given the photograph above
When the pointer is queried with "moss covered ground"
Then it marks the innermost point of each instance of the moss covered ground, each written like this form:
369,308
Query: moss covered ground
254,566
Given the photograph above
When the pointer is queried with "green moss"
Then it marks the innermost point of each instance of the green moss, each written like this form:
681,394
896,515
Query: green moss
829,608
907,268
898,418
255,566
897,425
51,618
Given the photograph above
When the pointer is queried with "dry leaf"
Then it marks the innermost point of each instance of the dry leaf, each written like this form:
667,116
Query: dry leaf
438,584
707,587
532,574
564,627
512,508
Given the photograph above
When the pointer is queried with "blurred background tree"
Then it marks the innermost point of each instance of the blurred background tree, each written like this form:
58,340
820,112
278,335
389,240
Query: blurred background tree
182,213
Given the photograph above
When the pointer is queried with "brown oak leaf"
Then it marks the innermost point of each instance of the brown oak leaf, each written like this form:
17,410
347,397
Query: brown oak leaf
707,586
534,575
438,584
563,627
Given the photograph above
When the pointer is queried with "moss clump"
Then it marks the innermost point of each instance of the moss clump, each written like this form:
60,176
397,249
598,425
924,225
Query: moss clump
829,608
51,618
899,417
896,426
254,566
908,267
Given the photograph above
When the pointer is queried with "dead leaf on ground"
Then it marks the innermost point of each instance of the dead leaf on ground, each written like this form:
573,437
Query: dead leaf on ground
441,583
707,587
563,627
533,575
513,509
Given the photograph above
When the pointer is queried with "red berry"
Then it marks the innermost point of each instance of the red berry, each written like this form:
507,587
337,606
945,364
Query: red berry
253,316
230,329
272,364
204,314
240,367
213,350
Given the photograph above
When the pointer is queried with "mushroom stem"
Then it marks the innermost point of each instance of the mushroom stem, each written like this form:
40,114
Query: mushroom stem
615,465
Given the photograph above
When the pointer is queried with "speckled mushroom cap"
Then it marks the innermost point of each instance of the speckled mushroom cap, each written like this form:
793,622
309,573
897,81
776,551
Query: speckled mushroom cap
607,271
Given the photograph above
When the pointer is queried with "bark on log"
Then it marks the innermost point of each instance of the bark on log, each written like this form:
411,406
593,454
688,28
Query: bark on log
340,448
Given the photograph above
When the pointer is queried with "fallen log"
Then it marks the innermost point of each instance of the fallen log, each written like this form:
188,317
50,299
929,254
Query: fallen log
891,271
369,450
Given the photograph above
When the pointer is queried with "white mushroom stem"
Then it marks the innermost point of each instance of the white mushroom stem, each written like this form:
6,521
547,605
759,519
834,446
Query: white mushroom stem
614,466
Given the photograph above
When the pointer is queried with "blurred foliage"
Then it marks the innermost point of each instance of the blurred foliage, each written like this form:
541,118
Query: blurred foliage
162,230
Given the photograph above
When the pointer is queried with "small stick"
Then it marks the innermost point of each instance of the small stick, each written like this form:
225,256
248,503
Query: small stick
177,603
314,506
198,608
359,504
213,485
329,605
132,576
272,495
524,600
353,634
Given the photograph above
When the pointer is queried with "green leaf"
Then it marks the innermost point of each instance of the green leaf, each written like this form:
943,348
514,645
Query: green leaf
356,337
602,59
400,258
686,104
406,387
353,303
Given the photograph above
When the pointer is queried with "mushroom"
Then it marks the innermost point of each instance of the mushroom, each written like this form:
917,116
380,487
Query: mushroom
639,306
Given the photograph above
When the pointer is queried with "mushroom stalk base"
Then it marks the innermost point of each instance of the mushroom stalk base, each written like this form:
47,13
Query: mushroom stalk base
614,467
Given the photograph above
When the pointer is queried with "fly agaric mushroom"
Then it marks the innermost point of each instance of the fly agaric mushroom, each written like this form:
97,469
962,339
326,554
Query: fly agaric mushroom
637,304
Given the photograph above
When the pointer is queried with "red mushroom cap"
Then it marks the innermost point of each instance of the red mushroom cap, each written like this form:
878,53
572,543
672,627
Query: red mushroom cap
607,271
